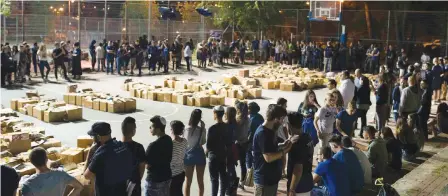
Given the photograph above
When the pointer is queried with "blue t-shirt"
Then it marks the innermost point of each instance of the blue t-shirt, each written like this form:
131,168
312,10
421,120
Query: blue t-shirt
328,52
49,183
265,141
354,169
265,44
347,121
334,176
110,55
255,44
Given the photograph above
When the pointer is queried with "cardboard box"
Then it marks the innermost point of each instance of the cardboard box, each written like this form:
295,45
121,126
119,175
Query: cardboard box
87,102
242,94
55,115
96,104
182,99
229,79
25,168
254,93
71,88
38,112
171,83
74,113
103,105
72,155
84,141
138,93
133,92
14,104
57,104
18,142
174,97
130,105
31,93
152,95
268,84
29,109
23,111
202,101
51,142
160,96
66,97
72,98
180,85
116,106
22,102
243,73
232,93
216,100
190,101
277,84
287,86
79,98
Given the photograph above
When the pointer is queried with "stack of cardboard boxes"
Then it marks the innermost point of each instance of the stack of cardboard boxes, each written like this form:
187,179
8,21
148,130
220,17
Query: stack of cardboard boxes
99,101
193,93
19,137
283,77
46,109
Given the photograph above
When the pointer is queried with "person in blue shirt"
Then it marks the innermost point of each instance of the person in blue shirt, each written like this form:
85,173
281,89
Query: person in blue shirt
265,46
328,56
110,57
165,56
348,157
255,120
256,50
396,95
333,173
267,154
34,56
345,120
374,61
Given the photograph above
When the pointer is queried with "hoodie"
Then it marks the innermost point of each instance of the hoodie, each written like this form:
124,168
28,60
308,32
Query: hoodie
410,99
255,119
92,48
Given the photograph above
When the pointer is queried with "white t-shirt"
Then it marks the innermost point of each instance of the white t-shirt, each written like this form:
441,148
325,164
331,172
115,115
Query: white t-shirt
347,90
99,52
280,132
192,136
327,117
187,51
365,165
177,161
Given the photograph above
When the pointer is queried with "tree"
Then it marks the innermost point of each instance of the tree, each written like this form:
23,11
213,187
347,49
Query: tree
187,10
139,10
5,7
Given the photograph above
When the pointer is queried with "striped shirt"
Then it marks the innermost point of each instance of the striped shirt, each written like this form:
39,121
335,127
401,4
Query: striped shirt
177,162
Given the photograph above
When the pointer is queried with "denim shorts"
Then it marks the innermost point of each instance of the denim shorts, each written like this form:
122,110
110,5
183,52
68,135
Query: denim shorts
157,188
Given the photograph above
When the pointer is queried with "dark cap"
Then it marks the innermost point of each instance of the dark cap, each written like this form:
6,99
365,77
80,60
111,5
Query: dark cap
100,128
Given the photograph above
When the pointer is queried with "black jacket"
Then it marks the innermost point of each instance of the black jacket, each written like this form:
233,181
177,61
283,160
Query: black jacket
363,95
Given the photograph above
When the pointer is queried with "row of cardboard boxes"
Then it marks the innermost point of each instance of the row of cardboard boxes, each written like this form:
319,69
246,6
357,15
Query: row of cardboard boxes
19,137
46,109
192,93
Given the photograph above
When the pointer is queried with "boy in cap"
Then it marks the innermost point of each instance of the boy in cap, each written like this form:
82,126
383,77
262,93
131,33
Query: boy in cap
111,165
216,149
158,159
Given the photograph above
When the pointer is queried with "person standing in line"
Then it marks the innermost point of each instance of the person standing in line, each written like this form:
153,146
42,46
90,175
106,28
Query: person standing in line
267,154
396,95
324,120
110,57
437,72
128,129
46,181
348,158
391,55
43,62
242,120
111,163
347,88
195,155
425,59
308,109
165,56
425,108
363,160
120,59
188,54
256,49
34,57
58,59
345,120
282,132
177,162
133,55
375,59
232,161
126,57
410,98
28,61
382,97
300,158
76,62
93,54
10,181
99,51
158,160
328,56
16,62
255,120
363,101
217,152
333,174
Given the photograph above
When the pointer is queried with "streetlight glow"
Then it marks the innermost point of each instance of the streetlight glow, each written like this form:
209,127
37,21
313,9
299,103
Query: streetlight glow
308,3
124,29
61,9
51,7
94,7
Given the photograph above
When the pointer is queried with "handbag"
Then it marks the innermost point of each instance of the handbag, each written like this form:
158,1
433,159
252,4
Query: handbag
196,155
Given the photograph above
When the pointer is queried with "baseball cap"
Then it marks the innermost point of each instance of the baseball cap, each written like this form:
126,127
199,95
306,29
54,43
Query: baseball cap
218,109
100,128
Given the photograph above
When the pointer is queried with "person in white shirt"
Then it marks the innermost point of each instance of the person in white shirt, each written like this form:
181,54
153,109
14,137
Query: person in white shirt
365,163
99,50
347,88
324,120
43,61
177,163
425,59
187,54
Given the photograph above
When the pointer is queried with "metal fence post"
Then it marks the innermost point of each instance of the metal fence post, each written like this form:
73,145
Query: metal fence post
79,20
23,22
4,29
17,30
149,18
388,30
105,18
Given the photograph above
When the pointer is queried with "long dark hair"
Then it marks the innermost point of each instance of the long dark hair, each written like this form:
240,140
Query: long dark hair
242,112
231,115
195,118
442,109
306,101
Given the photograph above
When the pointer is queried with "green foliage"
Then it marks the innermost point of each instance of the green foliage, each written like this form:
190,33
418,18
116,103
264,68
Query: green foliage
139,10
5,7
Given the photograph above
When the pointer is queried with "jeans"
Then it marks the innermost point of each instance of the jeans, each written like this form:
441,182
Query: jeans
261,190
100,64
110,65
119,64
249,156
187,59
242,150
177,183
59,64
325,138
157,188
396,115
217,169
35,64
93,60
320,191
42,65
381,116
423,118
363,115
256,54
327,64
